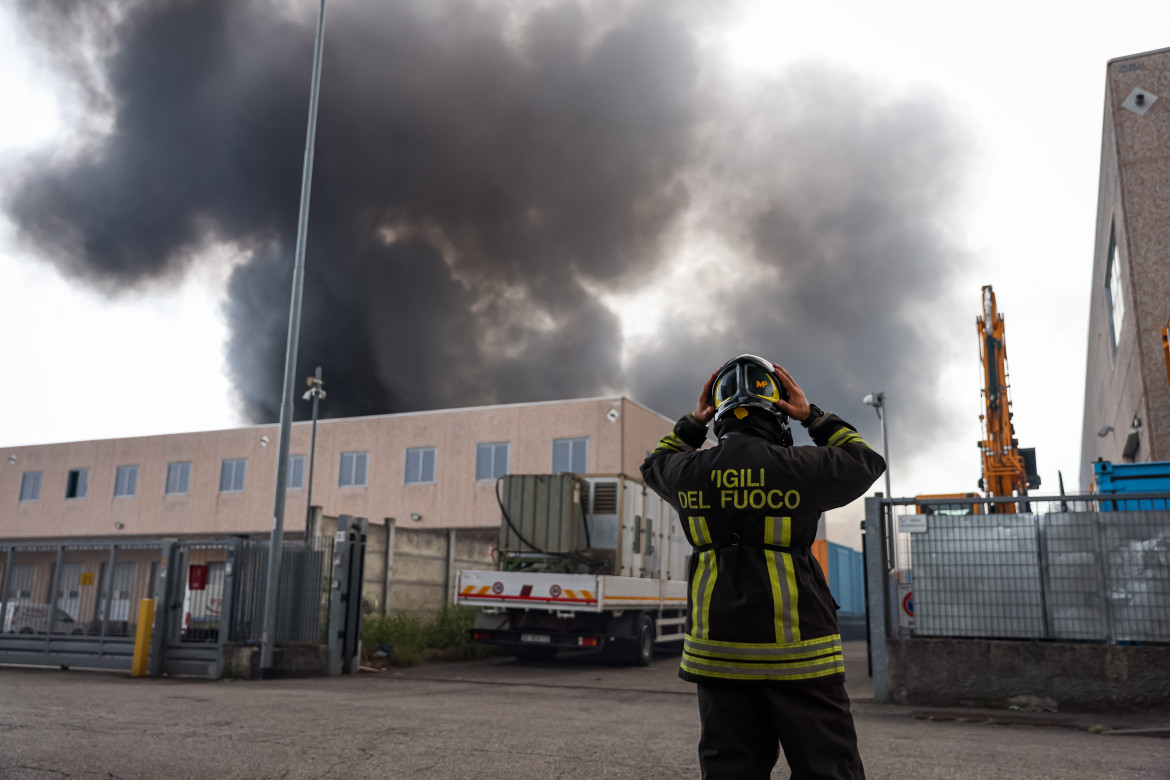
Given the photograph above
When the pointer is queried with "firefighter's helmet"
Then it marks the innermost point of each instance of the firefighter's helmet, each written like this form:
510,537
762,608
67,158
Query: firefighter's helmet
744,383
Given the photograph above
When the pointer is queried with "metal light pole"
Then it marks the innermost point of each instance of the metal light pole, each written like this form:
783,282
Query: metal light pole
878,402
276,543
316,394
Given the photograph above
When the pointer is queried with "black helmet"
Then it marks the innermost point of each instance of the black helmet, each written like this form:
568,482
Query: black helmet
745,382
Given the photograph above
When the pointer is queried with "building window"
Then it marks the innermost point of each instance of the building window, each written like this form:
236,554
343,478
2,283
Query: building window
178,478
420,465
491,460
126,482
1114,291
353,469
570,455
296,472
77,483
231,475
30,486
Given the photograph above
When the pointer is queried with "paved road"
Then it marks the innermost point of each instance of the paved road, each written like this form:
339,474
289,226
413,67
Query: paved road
493,719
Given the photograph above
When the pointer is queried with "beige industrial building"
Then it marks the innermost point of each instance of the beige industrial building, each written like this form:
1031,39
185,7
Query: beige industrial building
432,469
1127,393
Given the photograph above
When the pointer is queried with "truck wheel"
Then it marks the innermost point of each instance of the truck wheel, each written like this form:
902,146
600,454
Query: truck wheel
643,651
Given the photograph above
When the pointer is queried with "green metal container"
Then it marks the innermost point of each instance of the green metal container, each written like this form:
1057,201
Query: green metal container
541,520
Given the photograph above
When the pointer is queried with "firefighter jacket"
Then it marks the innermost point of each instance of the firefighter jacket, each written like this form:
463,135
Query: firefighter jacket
759,609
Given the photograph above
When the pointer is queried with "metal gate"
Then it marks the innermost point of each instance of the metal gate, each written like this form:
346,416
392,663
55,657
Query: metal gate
73,604
78,604
192,624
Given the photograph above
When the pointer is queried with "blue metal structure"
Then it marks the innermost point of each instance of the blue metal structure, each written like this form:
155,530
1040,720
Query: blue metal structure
845,579
1121,478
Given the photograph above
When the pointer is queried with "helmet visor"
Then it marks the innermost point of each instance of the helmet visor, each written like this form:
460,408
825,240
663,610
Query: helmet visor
726,386
745,382
761,383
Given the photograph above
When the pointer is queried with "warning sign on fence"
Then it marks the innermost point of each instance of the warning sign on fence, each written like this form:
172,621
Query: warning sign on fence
905,605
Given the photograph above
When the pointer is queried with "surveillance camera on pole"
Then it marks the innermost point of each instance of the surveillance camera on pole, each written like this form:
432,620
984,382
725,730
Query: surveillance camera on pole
878,402
314,394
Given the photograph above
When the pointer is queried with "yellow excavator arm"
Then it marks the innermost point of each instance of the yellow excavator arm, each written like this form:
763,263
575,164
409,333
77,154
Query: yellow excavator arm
1004,472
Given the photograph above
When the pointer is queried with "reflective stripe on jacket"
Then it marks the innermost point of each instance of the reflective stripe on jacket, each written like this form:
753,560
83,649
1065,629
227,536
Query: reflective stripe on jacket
759,608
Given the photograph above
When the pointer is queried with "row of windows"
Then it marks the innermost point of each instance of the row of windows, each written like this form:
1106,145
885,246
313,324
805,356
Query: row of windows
231,479
491,462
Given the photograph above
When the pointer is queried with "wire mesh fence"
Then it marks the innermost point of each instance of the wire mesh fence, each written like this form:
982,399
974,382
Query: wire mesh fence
1054,568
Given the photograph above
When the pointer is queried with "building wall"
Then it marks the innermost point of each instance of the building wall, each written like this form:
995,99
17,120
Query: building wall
641,430
454,500
1134,196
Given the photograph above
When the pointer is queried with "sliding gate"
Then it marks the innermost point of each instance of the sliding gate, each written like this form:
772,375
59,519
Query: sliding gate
74,604
78,604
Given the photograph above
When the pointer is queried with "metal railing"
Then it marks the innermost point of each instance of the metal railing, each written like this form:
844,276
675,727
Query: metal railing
303,597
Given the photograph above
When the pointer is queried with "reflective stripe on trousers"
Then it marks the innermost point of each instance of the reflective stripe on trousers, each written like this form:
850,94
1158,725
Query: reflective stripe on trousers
811,658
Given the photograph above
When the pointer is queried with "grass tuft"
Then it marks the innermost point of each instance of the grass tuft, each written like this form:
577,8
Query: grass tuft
416,638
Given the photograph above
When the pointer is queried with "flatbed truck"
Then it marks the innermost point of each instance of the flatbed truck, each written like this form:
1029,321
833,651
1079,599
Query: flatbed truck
592,562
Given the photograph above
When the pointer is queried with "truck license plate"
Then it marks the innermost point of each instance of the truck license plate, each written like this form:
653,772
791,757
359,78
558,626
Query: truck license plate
545,638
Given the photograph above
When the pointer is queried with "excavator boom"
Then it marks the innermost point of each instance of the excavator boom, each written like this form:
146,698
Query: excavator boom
1004,471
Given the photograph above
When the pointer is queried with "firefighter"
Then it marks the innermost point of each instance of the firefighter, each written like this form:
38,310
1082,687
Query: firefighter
762,641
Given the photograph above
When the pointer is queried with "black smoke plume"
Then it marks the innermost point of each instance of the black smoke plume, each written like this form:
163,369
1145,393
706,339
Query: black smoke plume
485,175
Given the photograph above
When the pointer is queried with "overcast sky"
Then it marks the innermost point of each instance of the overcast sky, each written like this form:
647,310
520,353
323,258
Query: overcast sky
1007,97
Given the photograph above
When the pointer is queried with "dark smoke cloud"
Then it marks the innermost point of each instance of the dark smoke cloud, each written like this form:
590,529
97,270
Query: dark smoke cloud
835,200
478,180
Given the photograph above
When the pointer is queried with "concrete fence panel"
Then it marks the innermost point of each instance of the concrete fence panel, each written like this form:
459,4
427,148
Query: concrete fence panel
414,569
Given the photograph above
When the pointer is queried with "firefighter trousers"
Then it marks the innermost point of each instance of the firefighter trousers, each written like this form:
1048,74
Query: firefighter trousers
745,727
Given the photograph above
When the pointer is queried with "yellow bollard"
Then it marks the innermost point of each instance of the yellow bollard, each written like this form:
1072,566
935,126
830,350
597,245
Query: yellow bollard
142,639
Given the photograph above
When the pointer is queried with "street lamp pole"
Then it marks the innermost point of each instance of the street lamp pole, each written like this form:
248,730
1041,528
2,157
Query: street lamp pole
316,394
276,541
878,402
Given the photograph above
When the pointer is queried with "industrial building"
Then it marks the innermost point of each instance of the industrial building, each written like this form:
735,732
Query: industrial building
434,469
1127,385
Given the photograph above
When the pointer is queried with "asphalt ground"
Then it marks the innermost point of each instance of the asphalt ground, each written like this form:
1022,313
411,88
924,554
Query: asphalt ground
574,718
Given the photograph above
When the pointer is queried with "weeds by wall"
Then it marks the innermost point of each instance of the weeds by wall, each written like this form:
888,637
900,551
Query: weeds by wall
414,638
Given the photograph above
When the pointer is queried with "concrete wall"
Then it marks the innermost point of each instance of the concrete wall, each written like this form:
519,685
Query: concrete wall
986,672
1133,199
421,564
619,432
289,659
